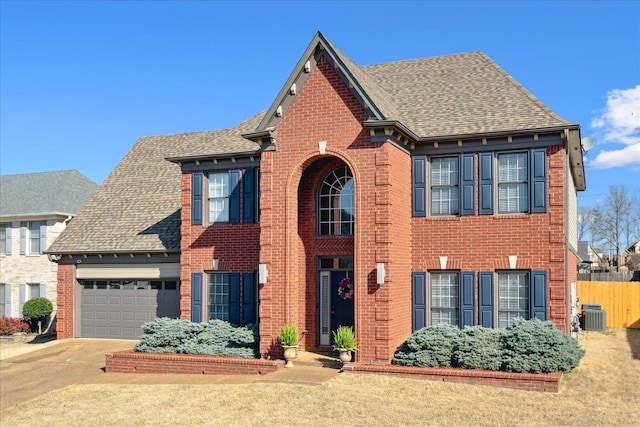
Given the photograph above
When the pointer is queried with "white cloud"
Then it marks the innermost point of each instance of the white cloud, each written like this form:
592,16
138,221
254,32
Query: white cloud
619,124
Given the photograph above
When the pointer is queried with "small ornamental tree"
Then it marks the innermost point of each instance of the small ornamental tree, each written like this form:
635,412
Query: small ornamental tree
36,309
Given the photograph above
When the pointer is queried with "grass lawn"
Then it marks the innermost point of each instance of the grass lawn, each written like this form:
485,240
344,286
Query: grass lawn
603,390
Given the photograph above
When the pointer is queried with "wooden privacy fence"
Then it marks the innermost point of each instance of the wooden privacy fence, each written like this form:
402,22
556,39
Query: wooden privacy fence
620,301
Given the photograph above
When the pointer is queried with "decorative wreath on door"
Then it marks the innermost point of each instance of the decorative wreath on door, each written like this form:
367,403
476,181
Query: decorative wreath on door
345,289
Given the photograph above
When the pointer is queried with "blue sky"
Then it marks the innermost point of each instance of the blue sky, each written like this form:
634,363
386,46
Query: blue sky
81,81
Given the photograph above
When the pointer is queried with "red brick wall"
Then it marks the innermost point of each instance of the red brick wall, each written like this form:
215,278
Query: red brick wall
66,301
484,242
152,363
323,110
236,246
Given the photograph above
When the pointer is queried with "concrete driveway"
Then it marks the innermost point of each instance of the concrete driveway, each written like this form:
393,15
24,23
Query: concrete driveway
30,370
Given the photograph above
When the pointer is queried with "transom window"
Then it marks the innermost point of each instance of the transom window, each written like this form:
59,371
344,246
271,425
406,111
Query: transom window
218,296
513,297
219,192
336,212
445,298
445,190
513,182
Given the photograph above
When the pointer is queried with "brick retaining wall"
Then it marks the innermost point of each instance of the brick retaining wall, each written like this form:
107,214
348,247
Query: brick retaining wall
532,382
153,363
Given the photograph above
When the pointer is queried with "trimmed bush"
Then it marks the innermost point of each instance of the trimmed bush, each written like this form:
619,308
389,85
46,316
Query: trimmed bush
538,347
530,346
478,348
37,308
428,347
214,338
11,325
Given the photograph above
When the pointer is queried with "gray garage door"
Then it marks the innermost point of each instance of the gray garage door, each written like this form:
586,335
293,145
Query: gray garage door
118,308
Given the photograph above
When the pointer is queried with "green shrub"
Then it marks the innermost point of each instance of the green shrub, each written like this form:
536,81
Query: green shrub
478,348
11,325
215,338
289,335
538,347
37,308
428,347
529,346
344,337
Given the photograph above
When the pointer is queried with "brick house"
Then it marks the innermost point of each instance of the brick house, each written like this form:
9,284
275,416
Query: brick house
34,209
437,190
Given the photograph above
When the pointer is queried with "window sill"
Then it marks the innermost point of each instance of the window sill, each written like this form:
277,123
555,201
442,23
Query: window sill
443,218
526,216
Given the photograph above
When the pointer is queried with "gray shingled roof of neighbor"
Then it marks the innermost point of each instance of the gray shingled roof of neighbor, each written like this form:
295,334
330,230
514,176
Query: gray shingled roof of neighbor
44,193
137,208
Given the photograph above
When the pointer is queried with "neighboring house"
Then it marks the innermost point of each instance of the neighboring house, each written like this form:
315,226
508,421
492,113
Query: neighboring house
34,209
631,256
439,189
599,261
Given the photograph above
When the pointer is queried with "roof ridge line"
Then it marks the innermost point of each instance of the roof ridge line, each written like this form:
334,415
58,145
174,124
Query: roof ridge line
548,111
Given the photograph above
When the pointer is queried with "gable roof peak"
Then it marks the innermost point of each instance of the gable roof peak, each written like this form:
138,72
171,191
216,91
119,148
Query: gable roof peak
371,96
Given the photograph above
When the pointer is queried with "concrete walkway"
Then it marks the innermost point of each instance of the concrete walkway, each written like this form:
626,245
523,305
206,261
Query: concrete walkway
29,370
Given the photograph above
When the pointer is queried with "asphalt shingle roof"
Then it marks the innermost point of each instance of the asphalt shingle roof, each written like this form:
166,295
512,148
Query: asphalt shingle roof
44,193
137,208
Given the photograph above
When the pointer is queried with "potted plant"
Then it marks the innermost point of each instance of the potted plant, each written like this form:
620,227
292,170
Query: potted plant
289,340
345,342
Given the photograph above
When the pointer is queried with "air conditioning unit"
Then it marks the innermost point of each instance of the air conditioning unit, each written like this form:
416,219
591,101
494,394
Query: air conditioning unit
594,320
586,307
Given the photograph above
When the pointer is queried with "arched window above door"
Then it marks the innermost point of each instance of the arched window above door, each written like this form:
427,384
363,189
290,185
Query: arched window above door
336,203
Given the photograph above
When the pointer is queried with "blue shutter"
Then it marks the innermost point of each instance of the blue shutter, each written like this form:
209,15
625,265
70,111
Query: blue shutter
43,291
234,196
43,236
539,180
23,242
257,195
486,183
8,230
419,300
468,184
419,178
22,299
248,298
196,297
196,198
7,300
467,299
234,298
248,196
485,298
538,298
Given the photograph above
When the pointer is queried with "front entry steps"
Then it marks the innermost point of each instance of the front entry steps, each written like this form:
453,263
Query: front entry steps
309,368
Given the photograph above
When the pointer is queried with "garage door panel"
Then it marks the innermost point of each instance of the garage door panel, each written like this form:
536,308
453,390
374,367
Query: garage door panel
120,313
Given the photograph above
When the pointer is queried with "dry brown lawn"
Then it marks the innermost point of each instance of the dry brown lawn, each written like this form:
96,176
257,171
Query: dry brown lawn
603,390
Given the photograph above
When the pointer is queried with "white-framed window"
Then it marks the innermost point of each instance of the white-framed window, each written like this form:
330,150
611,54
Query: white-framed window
218,296
34,238
34,290
445,185
445,298
513,182
218,197
336,203
513,297
5,291
3,238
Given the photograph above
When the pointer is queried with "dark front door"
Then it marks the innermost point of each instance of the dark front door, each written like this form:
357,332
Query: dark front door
341,306
335,307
